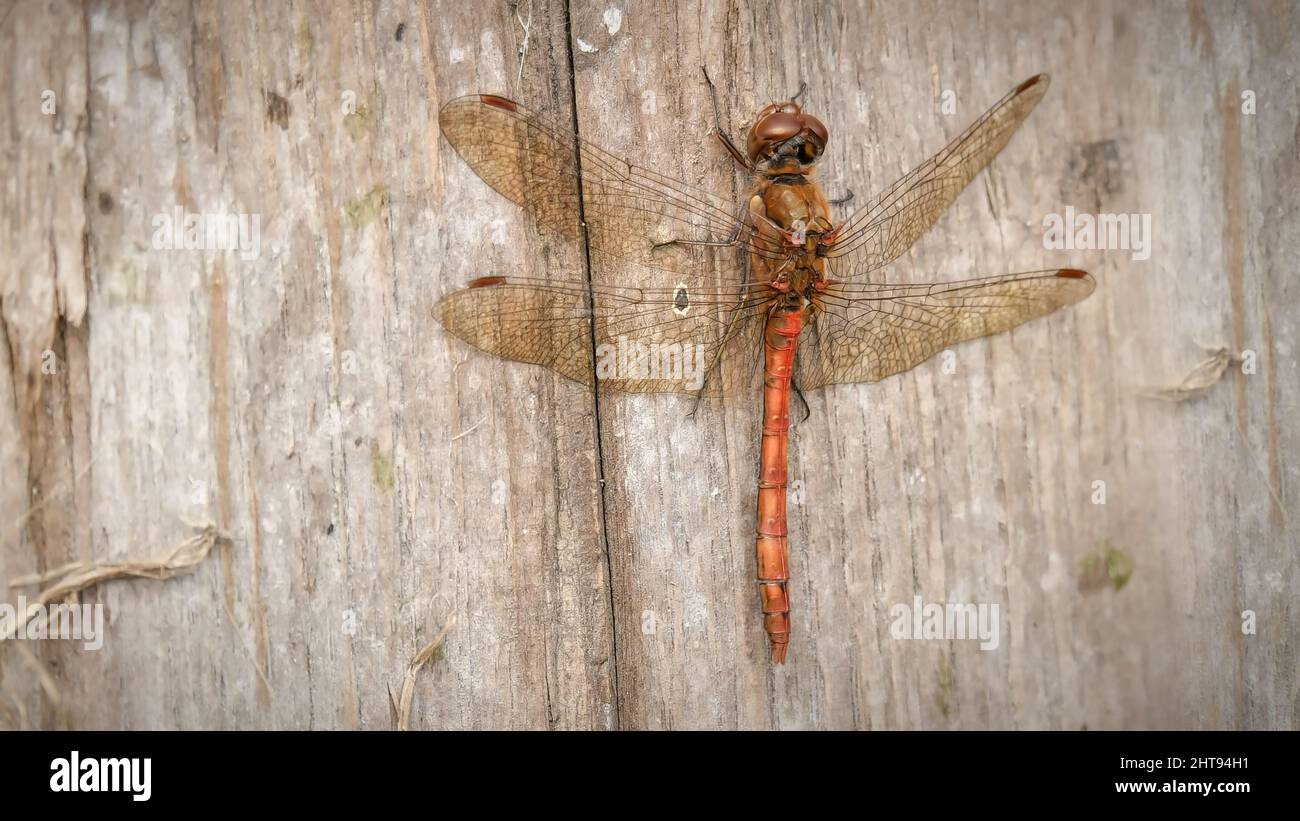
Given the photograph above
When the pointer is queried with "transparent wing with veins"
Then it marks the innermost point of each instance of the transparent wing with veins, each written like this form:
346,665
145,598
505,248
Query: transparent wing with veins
883,229
629,211
866,332
862,331
647,340
661,311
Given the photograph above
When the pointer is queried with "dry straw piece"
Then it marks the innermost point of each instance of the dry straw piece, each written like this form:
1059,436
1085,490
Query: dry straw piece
401,713
1198,382
74,577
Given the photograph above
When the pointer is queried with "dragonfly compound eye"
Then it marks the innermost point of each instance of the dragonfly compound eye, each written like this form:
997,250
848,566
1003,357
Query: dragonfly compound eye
771,129
817,128
815,137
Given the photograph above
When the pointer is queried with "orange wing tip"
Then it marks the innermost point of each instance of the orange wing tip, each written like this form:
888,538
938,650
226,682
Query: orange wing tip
484,282
1033,81
499,102
1072,273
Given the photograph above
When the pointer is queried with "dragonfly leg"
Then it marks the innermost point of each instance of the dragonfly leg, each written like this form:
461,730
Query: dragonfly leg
842,200
735,152
712,243
727,143
714,369
807,411
729,242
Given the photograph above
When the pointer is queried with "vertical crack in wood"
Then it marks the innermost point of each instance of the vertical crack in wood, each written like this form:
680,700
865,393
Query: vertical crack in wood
595,383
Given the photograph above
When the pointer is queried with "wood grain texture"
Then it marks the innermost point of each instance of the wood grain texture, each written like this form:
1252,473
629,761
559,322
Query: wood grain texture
376,477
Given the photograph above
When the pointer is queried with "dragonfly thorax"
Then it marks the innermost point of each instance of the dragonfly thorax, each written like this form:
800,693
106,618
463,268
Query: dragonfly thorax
799,281
791,302
797,206
792,213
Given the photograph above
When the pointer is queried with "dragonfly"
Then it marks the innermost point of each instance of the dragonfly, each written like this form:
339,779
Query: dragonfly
686,291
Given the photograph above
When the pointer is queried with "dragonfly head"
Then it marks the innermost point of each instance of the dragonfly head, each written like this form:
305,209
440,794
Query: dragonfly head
785,140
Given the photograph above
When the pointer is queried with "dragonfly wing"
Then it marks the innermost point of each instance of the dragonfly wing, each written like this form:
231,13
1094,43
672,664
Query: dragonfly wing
646,340
863,333
628,211
883,229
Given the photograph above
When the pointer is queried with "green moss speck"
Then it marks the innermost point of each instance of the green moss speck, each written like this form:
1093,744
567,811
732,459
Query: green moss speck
383,465
365,210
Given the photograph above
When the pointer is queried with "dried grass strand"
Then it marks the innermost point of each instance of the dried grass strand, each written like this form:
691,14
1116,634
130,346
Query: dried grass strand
74,577
408,685
1205,375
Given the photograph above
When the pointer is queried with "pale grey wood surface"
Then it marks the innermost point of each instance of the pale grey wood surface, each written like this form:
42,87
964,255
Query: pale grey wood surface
376,477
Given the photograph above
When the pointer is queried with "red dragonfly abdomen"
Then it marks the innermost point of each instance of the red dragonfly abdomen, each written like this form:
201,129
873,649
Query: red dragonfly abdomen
772,542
